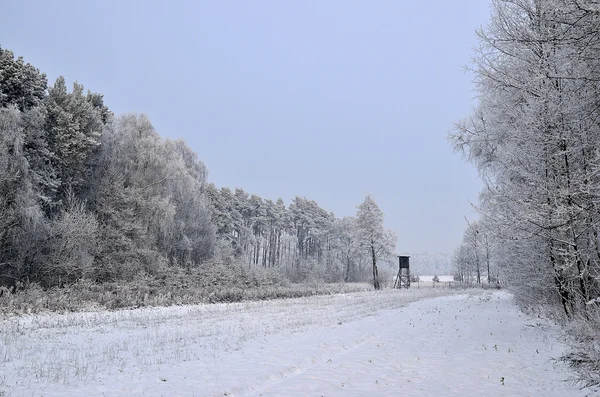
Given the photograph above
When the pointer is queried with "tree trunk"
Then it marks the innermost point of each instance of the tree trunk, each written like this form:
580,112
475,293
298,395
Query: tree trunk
376,284
347,277
563,293
487,258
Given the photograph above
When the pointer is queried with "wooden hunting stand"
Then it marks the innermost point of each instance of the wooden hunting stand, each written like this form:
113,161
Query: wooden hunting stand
403,277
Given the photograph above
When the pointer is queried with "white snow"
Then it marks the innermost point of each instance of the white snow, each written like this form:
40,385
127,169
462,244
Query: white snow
442,278
361,344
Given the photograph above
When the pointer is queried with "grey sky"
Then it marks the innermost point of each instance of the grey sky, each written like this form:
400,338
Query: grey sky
325,99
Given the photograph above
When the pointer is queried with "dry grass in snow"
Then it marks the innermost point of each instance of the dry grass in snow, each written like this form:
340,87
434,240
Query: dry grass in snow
349,344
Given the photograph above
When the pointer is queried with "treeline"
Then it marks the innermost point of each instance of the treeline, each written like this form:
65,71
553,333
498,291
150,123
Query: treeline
534,136
83,195
87,195
477,258
430,263
302,239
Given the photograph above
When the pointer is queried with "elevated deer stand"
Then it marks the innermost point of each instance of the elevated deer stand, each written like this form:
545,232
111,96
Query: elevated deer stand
403,277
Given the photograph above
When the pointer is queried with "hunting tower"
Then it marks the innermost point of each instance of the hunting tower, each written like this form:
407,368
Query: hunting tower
403,277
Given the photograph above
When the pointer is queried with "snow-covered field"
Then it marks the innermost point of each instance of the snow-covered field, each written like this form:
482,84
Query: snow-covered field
442,278
364,344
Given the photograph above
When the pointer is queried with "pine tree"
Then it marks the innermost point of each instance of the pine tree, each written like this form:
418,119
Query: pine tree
20,83
74,125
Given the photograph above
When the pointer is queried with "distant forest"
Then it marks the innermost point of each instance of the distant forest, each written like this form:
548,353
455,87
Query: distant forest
87,195
430,264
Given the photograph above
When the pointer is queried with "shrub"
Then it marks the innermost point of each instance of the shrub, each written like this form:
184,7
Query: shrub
209,283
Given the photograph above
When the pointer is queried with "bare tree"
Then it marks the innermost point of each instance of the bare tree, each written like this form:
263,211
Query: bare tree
372,236
534,138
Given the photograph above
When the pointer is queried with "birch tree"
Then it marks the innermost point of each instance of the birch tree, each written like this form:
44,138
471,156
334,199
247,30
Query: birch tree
372,237
534,138
21,221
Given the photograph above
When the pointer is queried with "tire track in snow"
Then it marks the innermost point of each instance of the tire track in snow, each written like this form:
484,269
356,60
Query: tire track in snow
452,346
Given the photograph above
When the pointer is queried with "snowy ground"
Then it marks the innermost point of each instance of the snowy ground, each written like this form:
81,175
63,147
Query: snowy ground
476,344
442,278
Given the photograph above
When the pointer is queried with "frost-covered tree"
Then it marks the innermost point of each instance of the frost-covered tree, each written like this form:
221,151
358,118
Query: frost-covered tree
74,125
427,263
25,87
303,240
21,84
85,195
149,197
33,248
372,237
462,264
275,217
344,234
21,222
472,260
117,198
67,253
534,137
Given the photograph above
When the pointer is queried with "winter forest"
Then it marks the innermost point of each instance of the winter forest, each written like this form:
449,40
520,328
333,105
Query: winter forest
534,137
87,195
99,209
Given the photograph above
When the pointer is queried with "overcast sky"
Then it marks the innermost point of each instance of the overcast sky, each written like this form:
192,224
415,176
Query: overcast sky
331,100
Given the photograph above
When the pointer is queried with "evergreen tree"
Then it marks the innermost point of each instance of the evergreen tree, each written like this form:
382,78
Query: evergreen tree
74,125
21,84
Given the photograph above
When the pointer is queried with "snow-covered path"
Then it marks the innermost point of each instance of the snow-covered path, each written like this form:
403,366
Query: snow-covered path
458,345
450,346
